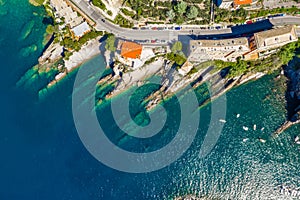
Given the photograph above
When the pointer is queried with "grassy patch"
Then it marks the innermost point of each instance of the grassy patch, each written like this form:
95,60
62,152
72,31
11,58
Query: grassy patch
177,58
99,4
123,22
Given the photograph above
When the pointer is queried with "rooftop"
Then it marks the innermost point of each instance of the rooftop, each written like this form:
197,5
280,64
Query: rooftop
242,2
275,36
131,50
81,29
219,43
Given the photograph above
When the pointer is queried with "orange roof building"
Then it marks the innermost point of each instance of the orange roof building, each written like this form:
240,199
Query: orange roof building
242,2
131,50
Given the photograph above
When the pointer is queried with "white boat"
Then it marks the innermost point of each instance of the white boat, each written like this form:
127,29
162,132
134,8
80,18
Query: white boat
222,120
254,127
262,129
245,128
238,115
262,140
296,138
245,139
298,142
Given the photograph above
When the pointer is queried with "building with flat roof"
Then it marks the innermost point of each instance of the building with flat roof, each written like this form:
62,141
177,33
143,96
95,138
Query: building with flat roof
225,49
81,29
261,44
275,38
225,4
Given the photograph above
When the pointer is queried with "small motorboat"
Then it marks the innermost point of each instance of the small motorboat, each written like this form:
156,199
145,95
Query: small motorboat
262,140
222,120
254,127
245,128
245,139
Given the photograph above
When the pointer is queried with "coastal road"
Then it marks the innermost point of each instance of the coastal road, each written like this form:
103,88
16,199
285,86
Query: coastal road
169,35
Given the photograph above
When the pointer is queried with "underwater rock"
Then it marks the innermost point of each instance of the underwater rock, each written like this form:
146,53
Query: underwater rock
26,30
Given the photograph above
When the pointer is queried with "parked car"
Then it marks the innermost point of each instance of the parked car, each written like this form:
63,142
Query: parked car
177,28
249,22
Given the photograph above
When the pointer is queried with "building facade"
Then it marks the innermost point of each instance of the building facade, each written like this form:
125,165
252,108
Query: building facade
275,38
261,44
226,49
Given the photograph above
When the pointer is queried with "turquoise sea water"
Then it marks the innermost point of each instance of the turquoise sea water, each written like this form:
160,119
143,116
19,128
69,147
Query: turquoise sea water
42,156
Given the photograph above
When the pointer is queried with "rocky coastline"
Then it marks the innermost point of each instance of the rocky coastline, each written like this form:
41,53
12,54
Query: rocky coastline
173,80
292,96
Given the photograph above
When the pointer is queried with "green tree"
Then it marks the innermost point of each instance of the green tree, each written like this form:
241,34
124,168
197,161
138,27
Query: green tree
50,29
110,43
180,8
171,14
177,47
192,12
99,4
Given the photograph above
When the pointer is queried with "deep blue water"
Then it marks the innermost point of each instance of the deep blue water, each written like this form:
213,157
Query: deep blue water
42,156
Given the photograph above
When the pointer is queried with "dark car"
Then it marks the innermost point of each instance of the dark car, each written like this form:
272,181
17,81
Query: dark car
177,28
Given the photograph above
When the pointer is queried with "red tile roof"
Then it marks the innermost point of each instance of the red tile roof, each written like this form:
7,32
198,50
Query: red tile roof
131,50
242,2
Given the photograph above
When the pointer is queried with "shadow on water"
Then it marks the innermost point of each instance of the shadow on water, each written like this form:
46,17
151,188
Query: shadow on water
292,102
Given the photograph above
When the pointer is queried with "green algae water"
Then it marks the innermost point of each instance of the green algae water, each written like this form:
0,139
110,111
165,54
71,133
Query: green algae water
42,156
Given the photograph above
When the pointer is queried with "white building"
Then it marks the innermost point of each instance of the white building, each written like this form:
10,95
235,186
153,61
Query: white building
225,49
275,38
226,4
81,29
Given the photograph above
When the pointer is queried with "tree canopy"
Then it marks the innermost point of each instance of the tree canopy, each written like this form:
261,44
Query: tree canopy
177,47
192,12
181,7
110,43
171,14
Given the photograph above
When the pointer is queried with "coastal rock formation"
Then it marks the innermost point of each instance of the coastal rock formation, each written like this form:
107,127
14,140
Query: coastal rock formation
293,96
52,53
297,84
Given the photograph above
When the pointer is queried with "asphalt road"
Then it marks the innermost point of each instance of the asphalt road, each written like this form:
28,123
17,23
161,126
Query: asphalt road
170,35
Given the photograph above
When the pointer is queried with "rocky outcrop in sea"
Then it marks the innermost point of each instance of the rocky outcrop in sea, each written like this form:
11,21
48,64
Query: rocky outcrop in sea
293,93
